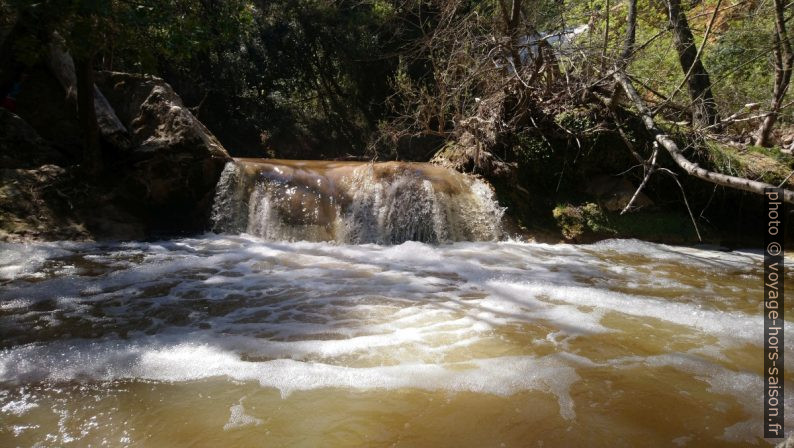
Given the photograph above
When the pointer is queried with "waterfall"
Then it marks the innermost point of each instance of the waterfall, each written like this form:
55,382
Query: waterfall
354,202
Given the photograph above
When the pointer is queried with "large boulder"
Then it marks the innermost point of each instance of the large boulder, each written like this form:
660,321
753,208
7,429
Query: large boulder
168,175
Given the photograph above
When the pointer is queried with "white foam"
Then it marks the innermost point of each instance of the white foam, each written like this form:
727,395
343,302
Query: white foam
26,259
239,419
719,323
19,406
189,362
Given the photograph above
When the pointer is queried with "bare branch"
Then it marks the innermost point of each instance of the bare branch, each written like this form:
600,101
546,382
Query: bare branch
691,168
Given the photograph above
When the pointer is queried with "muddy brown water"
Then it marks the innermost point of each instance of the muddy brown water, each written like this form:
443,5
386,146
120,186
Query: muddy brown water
236,341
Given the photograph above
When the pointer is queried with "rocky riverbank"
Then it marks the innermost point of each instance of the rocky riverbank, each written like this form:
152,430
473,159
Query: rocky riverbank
160,180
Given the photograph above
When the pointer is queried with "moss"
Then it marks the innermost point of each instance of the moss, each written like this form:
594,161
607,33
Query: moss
575,221
725,159
768,165
774,152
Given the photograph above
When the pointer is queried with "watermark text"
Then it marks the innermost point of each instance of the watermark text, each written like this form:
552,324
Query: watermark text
773,314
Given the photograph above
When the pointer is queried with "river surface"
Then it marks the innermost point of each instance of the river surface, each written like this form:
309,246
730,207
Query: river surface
236,341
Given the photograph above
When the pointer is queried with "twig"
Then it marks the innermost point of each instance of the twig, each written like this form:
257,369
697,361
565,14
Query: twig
733,118
691,216
649,170
711,198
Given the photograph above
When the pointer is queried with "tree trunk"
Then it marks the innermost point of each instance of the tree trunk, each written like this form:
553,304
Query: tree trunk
704,108
92,151
512,18
631,31
784,62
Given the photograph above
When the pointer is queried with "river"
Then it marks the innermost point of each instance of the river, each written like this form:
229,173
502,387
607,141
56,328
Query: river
360,336
237,341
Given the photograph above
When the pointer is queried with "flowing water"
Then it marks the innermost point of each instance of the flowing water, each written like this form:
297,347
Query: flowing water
354,202
235,340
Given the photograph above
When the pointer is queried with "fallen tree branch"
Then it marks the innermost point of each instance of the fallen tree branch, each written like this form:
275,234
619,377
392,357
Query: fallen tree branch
650,168
693,169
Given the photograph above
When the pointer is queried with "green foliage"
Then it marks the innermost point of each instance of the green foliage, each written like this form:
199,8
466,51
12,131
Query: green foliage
741,61
530,148
738,54
329,74
312,69
576,121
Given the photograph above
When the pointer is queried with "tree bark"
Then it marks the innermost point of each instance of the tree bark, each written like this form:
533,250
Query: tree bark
784,62
92,151
672,148
512,18
704,108
631,32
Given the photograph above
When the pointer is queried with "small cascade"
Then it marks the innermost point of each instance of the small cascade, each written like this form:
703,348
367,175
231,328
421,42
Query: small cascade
354,202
